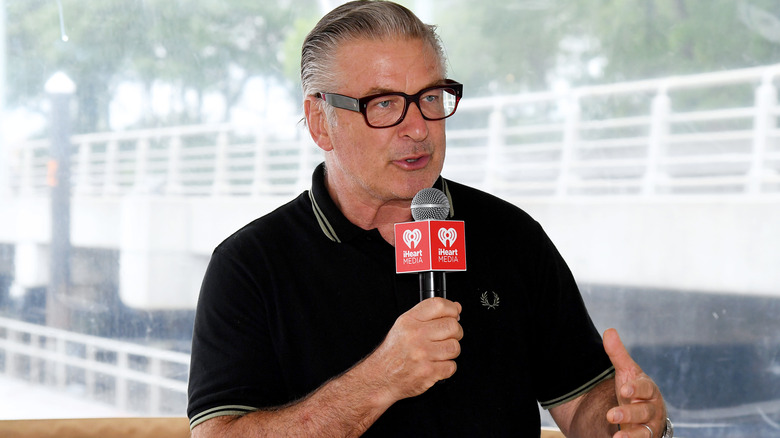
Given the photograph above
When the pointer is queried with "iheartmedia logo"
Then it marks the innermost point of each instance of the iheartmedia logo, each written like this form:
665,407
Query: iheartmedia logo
416,251
447,236
412,238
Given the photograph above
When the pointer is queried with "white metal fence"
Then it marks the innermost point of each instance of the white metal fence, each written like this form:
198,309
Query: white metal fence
707,133
132,377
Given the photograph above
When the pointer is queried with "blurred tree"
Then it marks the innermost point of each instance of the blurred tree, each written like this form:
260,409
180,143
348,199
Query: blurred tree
194,47
527,45
656,38
215,47
199,48
86,51
501,47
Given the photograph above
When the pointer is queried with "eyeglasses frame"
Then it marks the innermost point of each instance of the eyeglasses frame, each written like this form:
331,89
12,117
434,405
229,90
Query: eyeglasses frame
360,105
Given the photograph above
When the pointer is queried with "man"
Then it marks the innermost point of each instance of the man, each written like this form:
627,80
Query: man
304,329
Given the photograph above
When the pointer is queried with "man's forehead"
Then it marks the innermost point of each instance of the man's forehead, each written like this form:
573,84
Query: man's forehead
373,66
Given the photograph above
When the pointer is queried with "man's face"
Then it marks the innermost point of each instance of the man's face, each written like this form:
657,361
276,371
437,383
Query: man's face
376,166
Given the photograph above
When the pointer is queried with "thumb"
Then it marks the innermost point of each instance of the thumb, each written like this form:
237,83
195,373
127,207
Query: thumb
618,354
626,370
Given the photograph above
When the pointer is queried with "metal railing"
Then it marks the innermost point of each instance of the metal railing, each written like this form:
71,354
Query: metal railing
131,377
707,133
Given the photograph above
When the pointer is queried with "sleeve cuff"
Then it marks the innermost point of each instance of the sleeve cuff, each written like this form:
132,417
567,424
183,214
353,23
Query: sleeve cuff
219,411
549,404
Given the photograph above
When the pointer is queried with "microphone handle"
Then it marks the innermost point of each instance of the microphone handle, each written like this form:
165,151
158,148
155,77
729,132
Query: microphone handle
432,284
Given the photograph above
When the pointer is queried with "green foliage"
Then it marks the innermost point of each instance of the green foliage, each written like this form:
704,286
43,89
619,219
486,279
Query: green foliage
194,46
501,47
654,38
526,45
495,47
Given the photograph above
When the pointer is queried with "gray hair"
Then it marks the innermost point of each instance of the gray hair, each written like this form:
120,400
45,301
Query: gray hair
367,19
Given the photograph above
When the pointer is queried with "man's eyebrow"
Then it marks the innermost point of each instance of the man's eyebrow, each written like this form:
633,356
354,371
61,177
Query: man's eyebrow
381,90
378,90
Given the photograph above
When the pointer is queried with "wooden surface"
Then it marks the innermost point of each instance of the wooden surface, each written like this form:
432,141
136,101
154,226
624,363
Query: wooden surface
97,427
175,427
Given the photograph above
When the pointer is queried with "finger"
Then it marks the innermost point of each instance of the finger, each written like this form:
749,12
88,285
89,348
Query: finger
443,328
618,354
445,350
635,413
642,388
436,307
635,431
445,369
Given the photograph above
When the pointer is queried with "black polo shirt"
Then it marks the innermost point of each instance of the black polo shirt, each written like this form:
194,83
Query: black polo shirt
300,295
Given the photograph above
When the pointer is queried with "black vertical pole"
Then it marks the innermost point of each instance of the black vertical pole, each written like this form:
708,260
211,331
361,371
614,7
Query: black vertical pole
57,309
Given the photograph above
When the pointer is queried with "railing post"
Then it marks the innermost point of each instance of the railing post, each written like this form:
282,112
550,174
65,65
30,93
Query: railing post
661,107
764,121
11,357
35,359
571,136
60,373
259,181
26,183
90,356
495,147
122,363
155,392
83,169
220,185
51,365
173,186
110,184
141,164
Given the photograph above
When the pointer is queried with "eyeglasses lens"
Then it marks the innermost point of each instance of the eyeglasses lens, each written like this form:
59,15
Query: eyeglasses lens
435,104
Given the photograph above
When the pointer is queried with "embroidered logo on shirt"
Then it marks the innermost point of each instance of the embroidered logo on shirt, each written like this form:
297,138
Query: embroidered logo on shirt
487,303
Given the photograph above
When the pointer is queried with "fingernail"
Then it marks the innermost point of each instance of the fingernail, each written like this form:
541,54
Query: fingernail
617,416
628,391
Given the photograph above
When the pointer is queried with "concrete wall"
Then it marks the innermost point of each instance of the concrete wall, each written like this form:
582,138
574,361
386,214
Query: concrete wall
712,244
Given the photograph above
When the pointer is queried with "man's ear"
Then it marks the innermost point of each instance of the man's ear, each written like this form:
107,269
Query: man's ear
317,123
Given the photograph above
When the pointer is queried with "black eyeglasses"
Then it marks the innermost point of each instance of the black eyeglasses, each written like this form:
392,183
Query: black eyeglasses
389,109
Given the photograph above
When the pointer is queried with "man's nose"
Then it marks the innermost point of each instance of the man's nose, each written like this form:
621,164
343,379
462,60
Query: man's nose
414,125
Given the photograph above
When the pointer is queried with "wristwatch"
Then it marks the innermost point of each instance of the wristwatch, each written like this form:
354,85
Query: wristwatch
668,430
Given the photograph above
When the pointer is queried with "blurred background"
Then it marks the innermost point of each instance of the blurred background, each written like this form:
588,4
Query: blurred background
137,134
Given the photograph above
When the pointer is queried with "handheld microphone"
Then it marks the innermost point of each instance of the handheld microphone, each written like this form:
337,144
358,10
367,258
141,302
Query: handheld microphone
431,245
431,204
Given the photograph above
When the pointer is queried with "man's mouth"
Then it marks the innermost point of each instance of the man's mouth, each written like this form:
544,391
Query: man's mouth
414,163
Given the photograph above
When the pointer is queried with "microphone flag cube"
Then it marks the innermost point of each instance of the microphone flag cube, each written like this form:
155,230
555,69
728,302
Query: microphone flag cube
430,245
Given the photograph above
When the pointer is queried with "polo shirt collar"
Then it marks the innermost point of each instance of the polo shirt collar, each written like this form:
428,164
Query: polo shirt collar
332,221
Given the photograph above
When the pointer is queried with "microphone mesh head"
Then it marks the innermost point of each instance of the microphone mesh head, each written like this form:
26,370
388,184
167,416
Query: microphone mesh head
430,203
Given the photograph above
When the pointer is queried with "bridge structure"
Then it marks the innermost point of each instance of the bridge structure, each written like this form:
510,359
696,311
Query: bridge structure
671,183
668,184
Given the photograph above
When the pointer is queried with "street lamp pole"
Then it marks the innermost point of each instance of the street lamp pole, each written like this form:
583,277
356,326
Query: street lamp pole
5,188
60,89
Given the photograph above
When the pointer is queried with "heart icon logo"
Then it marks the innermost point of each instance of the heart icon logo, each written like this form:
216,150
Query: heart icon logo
447,236
412,237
